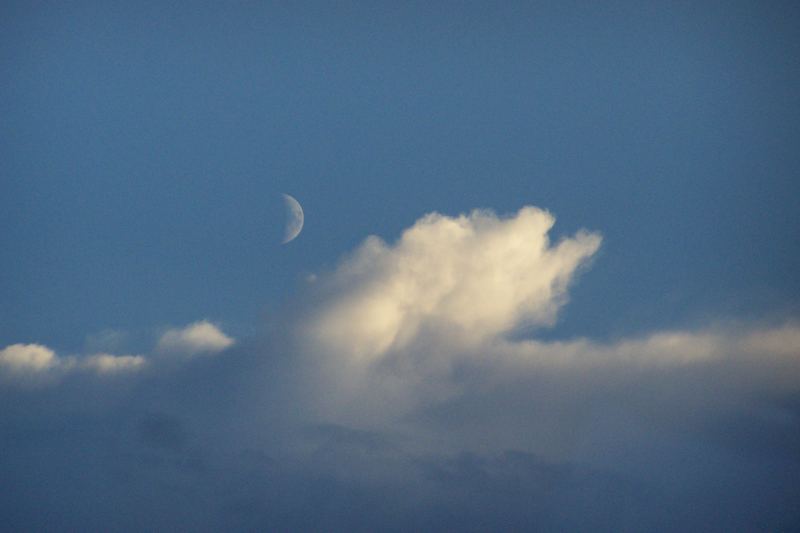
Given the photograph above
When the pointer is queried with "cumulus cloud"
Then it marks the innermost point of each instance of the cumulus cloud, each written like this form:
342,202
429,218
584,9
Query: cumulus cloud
202,337
471,277
27,358
421,323
393,319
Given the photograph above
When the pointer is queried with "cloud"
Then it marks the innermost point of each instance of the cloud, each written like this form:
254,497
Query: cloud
201,337
35,364
666,348
407,330
391,321
400,385
27,358
468,278
30,364
113,364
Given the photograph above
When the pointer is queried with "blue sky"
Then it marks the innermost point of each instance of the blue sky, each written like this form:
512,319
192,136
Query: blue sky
145,147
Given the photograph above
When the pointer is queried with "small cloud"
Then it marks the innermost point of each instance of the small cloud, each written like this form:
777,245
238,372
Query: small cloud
30,364
198,338
104,363
35,364
27,359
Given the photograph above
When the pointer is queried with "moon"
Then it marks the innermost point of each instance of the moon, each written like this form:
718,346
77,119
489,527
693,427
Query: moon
294,219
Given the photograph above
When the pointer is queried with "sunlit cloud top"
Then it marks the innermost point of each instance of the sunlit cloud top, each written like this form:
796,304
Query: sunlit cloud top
473,276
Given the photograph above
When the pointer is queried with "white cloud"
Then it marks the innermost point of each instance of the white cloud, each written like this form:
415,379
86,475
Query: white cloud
422,322
469,278
451,287
198,338
113,364
27,358
769,355
657,349
538,395
29,364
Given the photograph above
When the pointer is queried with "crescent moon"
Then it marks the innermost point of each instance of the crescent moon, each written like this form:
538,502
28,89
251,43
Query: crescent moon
294,219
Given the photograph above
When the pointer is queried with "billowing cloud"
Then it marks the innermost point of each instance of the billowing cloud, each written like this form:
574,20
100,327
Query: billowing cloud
421,325
202,337
470,277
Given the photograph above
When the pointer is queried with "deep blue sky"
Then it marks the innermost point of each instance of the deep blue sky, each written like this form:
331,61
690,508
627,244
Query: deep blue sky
144,147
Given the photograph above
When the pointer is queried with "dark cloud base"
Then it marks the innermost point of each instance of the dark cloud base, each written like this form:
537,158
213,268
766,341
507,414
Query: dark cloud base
222,445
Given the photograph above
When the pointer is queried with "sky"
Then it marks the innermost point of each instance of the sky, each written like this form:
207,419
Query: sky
546,279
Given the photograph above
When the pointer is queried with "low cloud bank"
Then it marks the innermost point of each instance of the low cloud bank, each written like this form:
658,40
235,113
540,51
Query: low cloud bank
395,396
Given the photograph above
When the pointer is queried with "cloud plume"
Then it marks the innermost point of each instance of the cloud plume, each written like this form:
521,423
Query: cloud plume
471,277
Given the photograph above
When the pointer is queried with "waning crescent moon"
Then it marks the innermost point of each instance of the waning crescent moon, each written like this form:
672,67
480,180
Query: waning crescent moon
294,219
